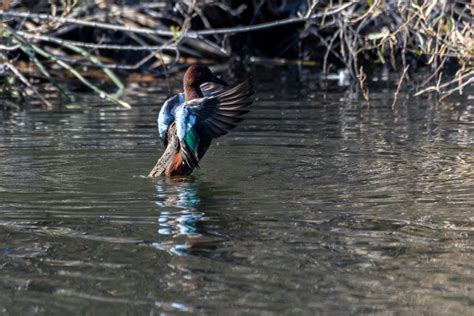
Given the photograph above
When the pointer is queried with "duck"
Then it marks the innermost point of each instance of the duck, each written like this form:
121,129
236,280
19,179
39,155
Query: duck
207,108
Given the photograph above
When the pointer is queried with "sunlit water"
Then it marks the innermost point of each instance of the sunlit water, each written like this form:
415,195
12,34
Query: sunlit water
317,203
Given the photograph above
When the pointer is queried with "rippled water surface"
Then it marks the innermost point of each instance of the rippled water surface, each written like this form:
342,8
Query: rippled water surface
317,203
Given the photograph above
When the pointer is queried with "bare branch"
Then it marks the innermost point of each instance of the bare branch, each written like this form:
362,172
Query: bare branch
189,34
20,76
399,86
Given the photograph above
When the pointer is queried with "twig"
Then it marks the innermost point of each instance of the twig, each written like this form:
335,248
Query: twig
98,63
73,61
399,86
60,41
458,88
469,74
27,49
20,76
311,9
13,47
363,87
100,92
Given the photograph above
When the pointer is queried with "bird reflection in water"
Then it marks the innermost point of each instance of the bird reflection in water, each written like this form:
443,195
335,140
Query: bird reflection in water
182,219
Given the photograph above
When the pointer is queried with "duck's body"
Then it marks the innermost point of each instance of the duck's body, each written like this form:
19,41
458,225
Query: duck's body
208,108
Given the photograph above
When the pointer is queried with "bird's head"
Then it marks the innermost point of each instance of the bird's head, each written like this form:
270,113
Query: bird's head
194,77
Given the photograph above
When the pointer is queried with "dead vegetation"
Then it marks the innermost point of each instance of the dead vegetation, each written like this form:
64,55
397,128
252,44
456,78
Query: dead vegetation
53,40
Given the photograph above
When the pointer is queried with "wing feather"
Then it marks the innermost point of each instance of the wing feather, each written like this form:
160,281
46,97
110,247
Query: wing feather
200,120
167,115
217,113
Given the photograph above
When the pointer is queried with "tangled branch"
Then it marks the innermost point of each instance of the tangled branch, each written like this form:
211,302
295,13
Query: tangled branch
150,35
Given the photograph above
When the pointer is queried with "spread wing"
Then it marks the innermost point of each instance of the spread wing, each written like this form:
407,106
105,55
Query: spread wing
211,116
167,115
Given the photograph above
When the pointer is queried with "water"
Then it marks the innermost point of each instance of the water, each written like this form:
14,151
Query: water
316,203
